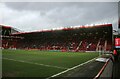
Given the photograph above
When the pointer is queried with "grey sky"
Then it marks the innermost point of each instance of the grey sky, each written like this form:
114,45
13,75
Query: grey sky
32,16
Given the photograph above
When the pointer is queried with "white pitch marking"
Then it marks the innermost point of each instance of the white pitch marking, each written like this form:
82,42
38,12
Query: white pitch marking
36,63
71,68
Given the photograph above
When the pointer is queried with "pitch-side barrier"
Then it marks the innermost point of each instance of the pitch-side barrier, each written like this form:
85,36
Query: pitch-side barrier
107,70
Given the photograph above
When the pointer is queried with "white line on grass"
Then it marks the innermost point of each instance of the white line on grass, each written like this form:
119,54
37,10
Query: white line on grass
71,68
36,63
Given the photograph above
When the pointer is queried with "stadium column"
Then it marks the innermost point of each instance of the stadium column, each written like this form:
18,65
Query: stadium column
1,54
119,17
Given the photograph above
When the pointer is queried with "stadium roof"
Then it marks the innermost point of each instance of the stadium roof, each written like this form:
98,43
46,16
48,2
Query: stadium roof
64,28
5,26
14,30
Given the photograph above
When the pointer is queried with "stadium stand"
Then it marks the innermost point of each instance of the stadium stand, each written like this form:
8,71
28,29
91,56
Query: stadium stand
7,40
82,38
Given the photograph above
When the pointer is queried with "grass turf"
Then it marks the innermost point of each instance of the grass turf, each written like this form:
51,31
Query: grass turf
22,69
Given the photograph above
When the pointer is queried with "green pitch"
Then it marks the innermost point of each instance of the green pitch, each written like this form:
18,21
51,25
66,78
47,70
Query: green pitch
34,63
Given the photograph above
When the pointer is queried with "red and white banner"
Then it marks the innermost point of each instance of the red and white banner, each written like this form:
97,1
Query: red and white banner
117,42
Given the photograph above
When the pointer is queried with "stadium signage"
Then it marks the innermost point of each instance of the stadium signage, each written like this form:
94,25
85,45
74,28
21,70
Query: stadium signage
117,42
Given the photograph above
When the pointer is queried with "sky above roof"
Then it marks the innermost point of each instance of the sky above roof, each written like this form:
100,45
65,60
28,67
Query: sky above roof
34,16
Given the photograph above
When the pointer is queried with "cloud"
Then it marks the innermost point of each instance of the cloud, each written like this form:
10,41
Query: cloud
31,16
59,0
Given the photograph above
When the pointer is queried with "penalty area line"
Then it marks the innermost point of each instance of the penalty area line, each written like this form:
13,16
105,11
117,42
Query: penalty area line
71,68
36,63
